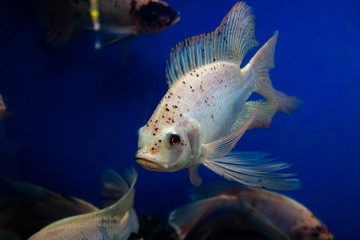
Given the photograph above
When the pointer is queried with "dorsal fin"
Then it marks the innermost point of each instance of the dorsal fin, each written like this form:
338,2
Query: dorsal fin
230,42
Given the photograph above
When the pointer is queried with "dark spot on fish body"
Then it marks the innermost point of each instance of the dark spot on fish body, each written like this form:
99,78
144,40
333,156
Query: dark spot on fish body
184,82
197,75
167,109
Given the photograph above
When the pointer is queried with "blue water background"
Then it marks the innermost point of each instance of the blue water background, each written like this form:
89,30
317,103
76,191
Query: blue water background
77,111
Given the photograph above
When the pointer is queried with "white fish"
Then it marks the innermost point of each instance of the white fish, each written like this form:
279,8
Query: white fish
117,221
205,111
272,214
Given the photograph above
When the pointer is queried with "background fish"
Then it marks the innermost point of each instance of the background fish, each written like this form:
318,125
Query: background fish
272,214
117,19
117,221
39,208
205,111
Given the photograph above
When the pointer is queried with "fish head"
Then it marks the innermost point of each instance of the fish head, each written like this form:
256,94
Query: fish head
154,16
312,230
168,147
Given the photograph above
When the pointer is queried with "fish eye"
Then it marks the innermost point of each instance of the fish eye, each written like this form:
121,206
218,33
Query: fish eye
174,139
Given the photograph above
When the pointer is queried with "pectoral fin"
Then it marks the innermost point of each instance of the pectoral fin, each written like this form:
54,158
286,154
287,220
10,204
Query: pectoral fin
194,176
104,40
251,169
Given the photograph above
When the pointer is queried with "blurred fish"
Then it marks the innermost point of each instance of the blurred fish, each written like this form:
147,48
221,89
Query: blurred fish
114,20
117,221
3,112
204,113
39,208
272,214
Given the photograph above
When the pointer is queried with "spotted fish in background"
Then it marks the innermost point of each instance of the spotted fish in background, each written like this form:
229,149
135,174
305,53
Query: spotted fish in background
272,214
205,111
117,221
117,19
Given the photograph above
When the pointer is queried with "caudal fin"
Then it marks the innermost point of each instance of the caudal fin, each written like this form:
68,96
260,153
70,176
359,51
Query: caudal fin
125,203
262,62
63,19
184,219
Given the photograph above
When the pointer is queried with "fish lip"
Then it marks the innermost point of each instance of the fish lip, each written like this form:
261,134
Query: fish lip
150,164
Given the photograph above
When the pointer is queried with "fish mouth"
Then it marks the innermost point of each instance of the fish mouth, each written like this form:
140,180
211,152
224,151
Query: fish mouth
150,164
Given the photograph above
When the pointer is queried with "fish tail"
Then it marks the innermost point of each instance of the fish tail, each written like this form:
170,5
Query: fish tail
125,203
184,219
61,19
262,62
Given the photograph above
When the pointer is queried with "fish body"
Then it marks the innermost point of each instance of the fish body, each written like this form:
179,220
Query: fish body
117,221
205,111
272,214
115,19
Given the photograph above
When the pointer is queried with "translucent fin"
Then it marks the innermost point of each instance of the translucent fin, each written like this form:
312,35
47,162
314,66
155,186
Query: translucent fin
126,202
262,62
31,191
184,219
223,146
114,187
252,169
230,42
255,220
264,114
194,175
